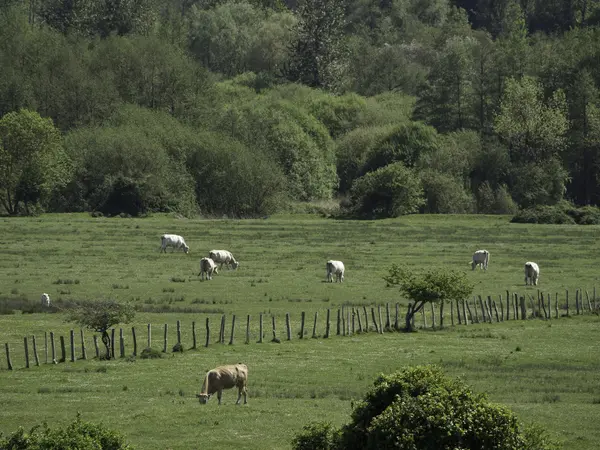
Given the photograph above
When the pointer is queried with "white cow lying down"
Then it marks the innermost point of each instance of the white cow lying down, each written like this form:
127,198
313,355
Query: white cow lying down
532,273
335,268
173,240
208,267
480,258
223,257
225,377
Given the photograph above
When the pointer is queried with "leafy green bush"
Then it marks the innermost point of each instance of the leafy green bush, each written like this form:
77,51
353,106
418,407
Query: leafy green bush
390,191
150,353
445,194
494,201
421,408
78,435
562,213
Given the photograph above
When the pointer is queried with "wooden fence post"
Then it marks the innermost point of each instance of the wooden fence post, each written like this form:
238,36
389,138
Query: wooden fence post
121,344
458,313
374,320
178,332
483,311
501,307
507,305
232,330
353,321
95,346
366,319
395,320
248,329
149,335
380,319
72,342
288,327
165,338
8,361
432,315
83,349
442,314
112,343
260,322
556,306
360,325
470,318
476,317
543,305
567,301
194,338
424,317
208,332
577,301
523,308
26,352
347,322
132,337
496,310
302,320
343,321
339,321
63,353
327,323
515,306
45,347
388,324
35,352
222,330
587,297
549,306
314,333
274,333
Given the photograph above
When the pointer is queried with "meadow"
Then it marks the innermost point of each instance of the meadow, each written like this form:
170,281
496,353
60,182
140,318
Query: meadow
546,371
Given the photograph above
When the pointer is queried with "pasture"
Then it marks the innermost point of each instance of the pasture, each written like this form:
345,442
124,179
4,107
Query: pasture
546,371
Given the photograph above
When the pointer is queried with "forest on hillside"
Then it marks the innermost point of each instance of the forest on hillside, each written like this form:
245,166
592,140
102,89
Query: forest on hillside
243,107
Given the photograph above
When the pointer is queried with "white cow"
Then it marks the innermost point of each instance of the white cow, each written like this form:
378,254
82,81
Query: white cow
532,273
223,257
208,267
45,299
335,268
481,258
172,240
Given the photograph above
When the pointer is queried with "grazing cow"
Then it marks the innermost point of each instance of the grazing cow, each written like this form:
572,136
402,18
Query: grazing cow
223,257
532,273
481,258
45,299
225,377
208,267
172,240
335,268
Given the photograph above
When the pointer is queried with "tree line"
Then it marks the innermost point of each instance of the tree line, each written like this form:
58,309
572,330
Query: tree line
239,107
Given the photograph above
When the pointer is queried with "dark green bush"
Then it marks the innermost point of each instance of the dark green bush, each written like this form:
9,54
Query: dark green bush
78,435
562,213
421,408
150,353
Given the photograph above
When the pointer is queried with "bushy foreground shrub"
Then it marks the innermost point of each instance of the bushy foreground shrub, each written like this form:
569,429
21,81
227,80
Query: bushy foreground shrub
78,435
421,408
562,213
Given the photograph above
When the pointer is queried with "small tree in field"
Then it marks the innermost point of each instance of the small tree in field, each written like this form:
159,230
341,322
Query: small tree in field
431,287
99,316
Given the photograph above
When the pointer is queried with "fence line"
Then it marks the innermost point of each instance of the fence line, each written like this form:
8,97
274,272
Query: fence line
349,322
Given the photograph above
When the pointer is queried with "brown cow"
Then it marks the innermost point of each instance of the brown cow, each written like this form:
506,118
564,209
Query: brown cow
225,377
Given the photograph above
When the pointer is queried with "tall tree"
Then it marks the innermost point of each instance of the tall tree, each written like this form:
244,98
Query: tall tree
32,159
318,55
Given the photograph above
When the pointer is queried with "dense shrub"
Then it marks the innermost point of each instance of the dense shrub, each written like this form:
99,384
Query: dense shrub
390,191
562,213
445,194
421,408
494,201
78,435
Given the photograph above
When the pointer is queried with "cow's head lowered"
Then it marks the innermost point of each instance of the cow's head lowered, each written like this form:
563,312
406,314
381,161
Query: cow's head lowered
186,249
203,398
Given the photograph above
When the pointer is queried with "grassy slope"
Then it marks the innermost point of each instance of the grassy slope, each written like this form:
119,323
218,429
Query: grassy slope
553,378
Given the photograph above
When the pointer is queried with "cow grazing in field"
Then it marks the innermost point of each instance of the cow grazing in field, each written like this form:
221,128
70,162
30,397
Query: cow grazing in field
223,257
208,267
225,377
481,258
532,273
335,268
45,300
173,240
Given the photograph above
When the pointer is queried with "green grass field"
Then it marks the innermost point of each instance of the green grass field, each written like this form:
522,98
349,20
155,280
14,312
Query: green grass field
547,372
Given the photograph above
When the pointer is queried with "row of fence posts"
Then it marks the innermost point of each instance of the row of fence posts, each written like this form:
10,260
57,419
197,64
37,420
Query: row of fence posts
349,322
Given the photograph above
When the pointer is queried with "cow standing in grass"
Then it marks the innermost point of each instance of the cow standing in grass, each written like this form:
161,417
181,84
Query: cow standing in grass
173,240
481,258
225,377
45,300
207,267
335,268
532,273
223,257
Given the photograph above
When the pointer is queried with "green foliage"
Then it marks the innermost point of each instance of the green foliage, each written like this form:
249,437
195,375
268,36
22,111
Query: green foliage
32,160
76,435
100,315
421,408
494,201
543,183
561,213
150,353
445,194
390,191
